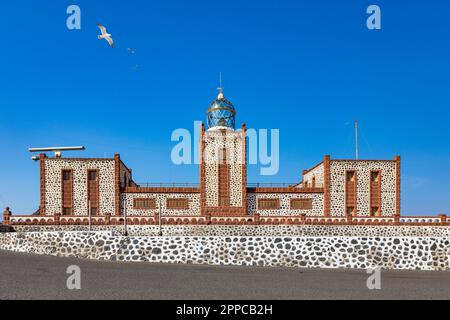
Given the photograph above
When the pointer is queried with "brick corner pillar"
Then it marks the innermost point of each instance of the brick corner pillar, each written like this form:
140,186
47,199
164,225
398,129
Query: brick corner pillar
326,185
443,218
117,184
398,186
42,206
6,216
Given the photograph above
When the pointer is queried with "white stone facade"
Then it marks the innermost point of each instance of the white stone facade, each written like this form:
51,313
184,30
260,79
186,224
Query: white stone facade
363,169
112,195
80,167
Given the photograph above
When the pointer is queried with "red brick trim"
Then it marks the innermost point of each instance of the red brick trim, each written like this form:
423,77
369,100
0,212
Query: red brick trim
125,167
244,169
398,187
117,205
326,185
230,219
42,182
202,171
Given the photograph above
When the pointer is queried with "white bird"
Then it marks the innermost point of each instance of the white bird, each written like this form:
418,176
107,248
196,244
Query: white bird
105,35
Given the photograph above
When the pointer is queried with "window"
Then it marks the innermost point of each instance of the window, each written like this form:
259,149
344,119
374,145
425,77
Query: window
67,192
375,176
375,193
351,175
301,204
67,175
93,191
268,204
350,192
180,204
92,175
144,204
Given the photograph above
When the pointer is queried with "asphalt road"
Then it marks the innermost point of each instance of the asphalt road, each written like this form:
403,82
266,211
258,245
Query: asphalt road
25,276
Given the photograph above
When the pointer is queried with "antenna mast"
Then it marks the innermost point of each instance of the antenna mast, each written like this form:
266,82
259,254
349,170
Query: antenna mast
356,139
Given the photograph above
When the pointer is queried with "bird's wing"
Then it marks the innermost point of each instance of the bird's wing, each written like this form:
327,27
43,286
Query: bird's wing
110,41
102,28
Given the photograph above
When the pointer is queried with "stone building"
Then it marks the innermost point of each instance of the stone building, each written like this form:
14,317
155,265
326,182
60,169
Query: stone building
333,191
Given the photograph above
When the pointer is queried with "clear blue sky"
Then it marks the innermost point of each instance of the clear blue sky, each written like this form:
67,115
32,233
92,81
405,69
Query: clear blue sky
308,68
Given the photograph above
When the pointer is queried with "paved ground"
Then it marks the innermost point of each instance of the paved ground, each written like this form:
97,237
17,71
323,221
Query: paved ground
24,276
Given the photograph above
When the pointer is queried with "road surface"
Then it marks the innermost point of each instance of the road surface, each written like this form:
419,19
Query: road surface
26,276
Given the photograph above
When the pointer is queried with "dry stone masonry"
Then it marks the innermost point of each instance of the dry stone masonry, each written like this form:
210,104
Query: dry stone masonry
412,253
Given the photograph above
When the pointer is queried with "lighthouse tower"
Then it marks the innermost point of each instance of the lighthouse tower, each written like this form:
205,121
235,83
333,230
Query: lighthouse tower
223,167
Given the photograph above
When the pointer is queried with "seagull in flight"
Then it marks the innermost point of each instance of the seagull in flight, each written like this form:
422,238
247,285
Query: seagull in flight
105,35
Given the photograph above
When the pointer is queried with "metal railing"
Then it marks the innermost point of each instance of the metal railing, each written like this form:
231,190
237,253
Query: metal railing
167,185
310,186
283,185
249,185
271,185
